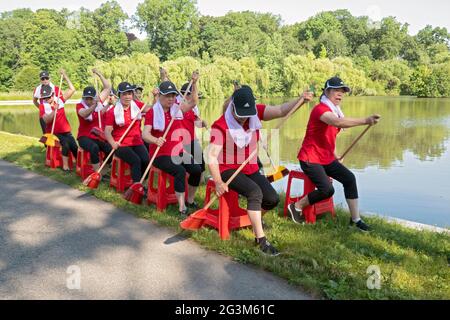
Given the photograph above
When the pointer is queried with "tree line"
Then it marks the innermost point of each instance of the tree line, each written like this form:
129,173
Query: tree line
375,57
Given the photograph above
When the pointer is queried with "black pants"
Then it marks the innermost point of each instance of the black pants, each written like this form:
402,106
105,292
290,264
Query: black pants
68,144
94,147
319,176
43,125
136,157
194,154
256,188
178,170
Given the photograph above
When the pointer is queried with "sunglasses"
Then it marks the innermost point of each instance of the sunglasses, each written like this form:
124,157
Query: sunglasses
42,79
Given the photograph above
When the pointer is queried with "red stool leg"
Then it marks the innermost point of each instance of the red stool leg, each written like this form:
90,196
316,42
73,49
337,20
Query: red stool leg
224,218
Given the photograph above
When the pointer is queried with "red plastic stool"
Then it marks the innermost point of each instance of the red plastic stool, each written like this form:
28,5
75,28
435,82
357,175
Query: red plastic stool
163,194
310,212
53,158
120,175
229,216
84,167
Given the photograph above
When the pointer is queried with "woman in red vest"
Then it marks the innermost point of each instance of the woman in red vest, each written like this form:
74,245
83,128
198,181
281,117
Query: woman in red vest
92,114
52,102
234,137
317,155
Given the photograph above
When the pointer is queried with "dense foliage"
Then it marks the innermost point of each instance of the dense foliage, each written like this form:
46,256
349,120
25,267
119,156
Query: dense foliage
375,57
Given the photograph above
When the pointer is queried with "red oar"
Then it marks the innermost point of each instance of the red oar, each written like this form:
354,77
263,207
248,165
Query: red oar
93,180
135,193
195,221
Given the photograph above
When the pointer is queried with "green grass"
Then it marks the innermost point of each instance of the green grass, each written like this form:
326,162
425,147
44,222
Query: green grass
328,260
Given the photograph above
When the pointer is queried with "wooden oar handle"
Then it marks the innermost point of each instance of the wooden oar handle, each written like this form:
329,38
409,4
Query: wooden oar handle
121,139
252,155
57,104
355,142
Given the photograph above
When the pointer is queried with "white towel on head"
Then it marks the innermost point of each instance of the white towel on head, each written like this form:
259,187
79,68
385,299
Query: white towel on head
240,137
119,113
159,119
98,109
335,109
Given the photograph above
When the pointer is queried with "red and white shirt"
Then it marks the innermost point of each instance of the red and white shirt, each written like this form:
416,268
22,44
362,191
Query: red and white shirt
87,124
231,157
174,140
62,124
134,136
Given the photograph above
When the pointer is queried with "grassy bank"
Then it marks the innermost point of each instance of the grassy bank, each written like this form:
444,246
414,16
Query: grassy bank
328,260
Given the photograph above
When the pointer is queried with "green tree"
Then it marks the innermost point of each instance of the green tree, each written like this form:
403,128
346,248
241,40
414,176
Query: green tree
11,37
172,27
386,42
103,30
25,79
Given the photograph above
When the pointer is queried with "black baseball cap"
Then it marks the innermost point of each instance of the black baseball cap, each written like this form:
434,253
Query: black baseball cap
244,102
46,91
336,83
167,87
185,87
89,92
125,87
44,74
113,93
138,87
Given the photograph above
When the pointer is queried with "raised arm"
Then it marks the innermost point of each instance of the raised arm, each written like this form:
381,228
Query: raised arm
190,103
331,119
69,93
104,94
274,112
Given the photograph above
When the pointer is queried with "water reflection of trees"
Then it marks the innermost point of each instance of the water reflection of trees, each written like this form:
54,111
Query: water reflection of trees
419,126
409,124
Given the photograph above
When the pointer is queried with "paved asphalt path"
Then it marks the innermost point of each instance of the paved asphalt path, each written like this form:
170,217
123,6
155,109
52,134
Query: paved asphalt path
59,243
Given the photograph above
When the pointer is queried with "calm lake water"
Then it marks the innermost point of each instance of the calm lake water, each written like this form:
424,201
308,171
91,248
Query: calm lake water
402,165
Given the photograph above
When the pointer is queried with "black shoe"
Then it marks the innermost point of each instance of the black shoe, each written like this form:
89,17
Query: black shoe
296,215
184,212
266,247
192,205
361,225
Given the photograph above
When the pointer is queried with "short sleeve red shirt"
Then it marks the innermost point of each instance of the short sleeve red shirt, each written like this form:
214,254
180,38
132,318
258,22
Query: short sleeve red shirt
188,123
231,157
134,137
84,130
174,140
61,125
319,143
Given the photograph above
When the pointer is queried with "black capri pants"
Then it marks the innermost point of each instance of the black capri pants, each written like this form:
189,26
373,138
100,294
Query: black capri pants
255,187
68,144
177,168
319,176
136,157
94,146
194,154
